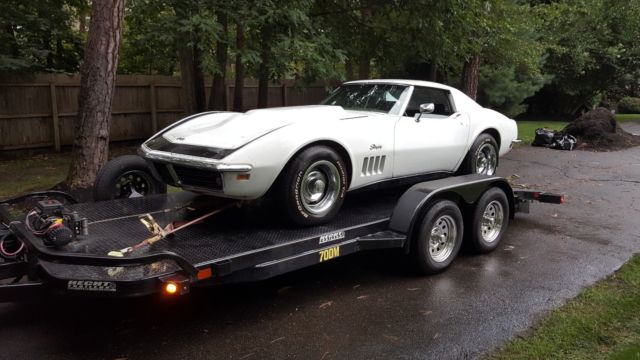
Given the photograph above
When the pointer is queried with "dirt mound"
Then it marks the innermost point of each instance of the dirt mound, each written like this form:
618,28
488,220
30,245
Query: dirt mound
598,130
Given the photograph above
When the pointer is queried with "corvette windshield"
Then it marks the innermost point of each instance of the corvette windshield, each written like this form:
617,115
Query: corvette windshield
367,97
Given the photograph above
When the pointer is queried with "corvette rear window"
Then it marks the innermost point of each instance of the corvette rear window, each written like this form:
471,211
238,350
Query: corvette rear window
367,97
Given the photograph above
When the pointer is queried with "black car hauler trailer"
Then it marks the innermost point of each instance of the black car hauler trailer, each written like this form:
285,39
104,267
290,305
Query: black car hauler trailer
427,222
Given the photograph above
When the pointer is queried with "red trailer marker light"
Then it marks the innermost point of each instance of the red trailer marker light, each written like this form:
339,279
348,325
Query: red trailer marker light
204,274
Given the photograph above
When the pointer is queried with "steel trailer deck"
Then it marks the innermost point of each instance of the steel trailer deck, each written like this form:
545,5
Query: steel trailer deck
237,245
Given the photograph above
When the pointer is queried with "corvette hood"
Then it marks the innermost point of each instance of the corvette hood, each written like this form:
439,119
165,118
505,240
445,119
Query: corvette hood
228,130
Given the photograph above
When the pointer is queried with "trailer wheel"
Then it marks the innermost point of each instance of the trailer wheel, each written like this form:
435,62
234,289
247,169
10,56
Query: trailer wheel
490,220
124,177
439,237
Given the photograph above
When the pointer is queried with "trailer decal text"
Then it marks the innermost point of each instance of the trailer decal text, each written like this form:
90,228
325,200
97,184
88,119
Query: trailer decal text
88,285
330,253
332,237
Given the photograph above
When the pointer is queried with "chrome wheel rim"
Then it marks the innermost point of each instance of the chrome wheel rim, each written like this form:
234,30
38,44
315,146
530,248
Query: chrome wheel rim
492,220
320,187
486,160
443,238
133,183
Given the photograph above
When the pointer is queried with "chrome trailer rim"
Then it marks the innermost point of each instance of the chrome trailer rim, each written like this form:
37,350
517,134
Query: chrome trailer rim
486,160
320,187
492,221
443,238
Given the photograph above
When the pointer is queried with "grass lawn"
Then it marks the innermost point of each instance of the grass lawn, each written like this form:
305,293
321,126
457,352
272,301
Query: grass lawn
40,172
527,129
602,322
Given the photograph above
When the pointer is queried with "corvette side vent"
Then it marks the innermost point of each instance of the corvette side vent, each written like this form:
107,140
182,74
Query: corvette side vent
373,165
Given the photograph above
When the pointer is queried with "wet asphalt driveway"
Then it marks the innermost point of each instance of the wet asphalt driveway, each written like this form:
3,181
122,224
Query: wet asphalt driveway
363,307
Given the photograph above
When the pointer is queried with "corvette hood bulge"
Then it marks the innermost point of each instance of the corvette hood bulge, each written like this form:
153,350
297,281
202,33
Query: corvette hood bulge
227,130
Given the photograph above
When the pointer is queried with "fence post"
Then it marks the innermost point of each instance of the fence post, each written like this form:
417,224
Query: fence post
228,97
154,111
284,94
54,115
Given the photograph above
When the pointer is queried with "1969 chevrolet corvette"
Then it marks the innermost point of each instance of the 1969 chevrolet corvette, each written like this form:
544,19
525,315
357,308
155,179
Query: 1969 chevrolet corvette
365,133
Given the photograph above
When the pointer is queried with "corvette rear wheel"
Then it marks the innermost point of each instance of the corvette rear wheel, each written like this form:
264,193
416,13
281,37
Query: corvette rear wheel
313,186
482,157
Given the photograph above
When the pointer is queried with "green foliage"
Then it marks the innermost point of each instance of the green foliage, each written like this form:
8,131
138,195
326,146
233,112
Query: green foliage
629,105
41,35
593,50
505,88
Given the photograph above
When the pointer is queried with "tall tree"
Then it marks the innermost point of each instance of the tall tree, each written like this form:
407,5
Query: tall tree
97,84
190,55
218,97
238,91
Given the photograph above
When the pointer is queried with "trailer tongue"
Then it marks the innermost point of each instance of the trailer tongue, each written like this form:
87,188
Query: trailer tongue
427,222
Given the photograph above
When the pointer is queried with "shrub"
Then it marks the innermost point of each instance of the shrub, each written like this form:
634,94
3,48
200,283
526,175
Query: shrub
629,105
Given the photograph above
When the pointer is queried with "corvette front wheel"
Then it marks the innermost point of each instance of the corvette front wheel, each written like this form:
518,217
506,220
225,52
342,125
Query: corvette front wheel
313,186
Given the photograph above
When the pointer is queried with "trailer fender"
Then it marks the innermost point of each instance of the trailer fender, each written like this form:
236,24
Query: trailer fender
465,189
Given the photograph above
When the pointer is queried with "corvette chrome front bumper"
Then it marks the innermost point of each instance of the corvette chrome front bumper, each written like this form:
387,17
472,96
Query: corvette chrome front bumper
192,161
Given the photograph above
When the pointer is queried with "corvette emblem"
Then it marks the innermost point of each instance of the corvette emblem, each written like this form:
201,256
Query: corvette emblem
375,147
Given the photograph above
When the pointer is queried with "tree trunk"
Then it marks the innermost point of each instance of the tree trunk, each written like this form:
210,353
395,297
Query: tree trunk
190,58
364,68
239,84
263,71
433,72
15,48
218,97
348,67
97,84
198,72
470,75
187,78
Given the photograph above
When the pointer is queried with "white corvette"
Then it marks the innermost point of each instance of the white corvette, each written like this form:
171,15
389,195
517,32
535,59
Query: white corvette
365,133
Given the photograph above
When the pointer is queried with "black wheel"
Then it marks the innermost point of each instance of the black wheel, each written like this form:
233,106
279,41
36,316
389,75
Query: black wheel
439,237
313,186
126,176
482,157
490,221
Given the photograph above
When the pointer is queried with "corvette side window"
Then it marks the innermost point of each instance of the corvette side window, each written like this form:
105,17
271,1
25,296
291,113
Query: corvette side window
423,95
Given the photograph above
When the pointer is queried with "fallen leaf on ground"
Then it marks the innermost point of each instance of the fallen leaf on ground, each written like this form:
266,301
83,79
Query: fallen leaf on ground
327,304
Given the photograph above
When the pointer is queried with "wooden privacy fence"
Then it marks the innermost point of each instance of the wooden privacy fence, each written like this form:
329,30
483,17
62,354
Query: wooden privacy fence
39,112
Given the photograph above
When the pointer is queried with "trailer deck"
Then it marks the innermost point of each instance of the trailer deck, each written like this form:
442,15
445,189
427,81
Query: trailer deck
239,244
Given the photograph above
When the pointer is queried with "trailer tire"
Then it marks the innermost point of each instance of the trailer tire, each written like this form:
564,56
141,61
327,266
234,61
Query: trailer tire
126,176
439,237
490,220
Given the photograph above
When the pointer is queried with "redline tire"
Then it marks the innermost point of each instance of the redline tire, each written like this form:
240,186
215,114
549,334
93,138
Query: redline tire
125,176
439,238
313,186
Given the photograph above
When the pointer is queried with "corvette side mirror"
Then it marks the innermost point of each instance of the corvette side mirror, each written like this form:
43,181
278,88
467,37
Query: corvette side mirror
426,108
